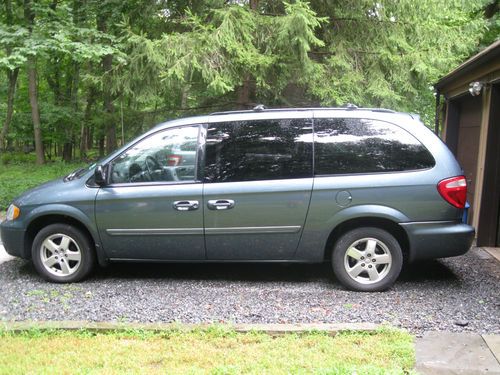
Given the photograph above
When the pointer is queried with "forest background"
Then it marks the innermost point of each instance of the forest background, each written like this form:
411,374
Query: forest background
80,77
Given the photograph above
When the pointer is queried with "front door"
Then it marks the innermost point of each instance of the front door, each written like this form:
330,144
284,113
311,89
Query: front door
258,182
151,207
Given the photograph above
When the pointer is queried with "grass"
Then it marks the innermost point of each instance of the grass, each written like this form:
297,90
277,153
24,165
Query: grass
17,176
216,350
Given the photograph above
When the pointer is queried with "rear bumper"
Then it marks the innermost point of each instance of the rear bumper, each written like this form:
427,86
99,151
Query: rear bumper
438,239
13,239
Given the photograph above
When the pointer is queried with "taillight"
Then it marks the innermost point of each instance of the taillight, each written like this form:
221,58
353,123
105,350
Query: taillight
174,160
454,190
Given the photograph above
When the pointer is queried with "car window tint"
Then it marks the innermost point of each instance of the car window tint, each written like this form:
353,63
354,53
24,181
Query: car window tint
258,150
168,155
349,145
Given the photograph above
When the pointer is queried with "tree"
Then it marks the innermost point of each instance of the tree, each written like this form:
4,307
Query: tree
33,91
94,64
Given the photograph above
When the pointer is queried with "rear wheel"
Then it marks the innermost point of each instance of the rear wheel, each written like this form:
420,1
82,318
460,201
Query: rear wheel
62,253
367,259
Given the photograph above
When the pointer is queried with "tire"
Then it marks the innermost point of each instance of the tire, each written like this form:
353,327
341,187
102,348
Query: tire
367,259
62,253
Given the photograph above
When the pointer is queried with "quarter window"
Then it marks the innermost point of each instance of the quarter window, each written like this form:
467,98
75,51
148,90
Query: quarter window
258,150
169,155
346,145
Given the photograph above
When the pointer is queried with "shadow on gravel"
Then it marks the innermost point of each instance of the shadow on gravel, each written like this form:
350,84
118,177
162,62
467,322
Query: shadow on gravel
421,272
218,271
432,270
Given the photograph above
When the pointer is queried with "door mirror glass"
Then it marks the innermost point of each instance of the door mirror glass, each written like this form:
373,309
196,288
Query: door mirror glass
100,175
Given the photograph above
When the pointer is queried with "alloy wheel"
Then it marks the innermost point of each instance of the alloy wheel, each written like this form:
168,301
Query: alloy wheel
367,260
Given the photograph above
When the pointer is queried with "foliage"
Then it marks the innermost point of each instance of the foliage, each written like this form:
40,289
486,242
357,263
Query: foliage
106,64
216,349
18,174
389,53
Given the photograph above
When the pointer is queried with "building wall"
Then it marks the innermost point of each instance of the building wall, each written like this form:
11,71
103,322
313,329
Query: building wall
468,128
471,131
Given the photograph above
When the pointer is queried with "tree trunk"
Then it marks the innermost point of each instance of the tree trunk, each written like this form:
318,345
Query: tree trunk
90,138
84,131
29,17
12,78
109,107
11,92
35,112
101,146
71,98
67,151
246,92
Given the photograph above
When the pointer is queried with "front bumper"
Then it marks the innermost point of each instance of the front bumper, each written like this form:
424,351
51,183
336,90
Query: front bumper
438,239
13,239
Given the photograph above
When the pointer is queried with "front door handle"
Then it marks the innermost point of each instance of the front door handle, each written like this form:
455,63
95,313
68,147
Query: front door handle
186,205
220,204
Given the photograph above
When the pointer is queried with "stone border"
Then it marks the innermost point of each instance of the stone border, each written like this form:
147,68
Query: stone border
493,251
271,329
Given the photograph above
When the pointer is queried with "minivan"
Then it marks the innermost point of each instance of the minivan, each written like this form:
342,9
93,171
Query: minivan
365,189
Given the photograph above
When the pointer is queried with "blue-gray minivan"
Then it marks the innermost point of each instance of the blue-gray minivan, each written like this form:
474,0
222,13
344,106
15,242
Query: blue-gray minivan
365,189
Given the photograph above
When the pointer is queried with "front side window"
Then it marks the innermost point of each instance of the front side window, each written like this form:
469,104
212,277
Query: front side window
258,150
351,145
166,156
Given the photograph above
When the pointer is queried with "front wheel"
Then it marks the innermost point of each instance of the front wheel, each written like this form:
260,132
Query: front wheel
367,259
61,253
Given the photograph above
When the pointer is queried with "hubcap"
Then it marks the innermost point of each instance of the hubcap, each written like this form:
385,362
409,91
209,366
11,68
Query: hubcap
367,260
60,255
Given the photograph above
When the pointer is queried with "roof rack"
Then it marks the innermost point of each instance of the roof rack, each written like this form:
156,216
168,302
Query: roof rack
350,106
262,108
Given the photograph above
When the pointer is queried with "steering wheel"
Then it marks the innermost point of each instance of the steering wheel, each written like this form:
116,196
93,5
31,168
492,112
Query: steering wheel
151,164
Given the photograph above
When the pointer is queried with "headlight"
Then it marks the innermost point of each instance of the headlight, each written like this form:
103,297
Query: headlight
13,212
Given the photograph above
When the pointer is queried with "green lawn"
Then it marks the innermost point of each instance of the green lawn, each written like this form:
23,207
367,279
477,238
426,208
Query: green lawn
17,177
216,350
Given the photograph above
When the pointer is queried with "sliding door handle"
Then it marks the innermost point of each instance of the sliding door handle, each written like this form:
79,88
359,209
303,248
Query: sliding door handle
220,204
186,205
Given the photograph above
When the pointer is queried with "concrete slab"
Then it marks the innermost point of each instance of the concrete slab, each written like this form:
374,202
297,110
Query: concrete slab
493,251
481,253
493,342
4,257
444,353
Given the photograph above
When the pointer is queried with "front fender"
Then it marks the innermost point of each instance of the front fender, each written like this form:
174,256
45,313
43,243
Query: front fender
76,214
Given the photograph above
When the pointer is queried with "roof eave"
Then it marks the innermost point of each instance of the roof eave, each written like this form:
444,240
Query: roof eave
490,53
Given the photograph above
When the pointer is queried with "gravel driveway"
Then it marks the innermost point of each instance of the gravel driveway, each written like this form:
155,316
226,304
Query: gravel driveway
456,294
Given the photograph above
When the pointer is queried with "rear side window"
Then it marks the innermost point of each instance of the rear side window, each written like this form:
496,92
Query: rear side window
350,145
258,150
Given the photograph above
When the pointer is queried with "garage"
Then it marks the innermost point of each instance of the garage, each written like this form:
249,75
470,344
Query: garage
468,120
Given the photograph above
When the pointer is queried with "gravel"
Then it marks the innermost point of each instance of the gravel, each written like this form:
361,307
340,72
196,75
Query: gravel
456,294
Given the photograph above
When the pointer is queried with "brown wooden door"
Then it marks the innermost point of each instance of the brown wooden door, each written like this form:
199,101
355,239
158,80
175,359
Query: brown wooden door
469,129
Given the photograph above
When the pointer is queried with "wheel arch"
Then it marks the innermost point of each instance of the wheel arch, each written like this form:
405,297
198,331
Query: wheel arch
376,222
43,219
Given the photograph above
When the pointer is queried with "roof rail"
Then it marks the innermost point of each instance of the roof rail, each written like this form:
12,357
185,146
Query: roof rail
262,108
351,107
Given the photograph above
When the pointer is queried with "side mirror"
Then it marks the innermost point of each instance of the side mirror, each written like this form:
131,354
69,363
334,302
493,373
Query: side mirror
100,175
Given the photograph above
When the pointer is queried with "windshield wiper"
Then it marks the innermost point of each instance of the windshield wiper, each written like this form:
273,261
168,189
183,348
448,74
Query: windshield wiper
73,174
